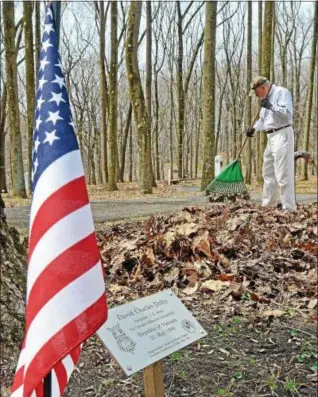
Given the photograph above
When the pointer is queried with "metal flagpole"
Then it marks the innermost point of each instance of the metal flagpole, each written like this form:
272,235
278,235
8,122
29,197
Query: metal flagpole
57,17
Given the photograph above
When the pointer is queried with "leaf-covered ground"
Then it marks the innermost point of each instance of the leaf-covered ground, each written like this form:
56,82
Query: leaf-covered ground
249,276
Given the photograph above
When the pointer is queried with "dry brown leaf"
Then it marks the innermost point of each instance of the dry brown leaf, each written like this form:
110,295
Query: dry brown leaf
186,229
191,290
312,303
274,312
214,285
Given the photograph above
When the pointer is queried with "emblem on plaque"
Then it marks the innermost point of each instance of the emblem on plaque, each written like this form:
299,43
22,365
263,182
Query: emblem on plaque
125,343
188,326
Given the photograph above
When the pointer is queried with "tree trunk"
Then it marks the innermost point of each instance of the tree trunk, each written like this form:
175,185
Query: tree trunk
18,186
3,104
310,89
180,91
149,81
130,176
37,30
137,97
124,146
29,71
259,159
248,173
112,120
103,93
171,123
208,104
266,56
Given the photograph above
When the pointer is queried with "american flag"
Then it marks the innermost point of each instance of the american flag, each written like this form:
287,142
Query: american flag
66,301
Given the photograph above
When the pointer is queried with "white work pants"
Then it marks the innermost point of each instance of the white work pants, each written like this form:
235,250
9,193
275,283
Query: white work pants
278,169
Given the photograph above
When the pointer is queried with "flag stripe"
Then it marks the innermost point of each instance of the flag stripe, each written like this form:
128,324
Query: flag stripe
56,175
80,257
50,318
41,363
55,387
73,194
74,227
61,375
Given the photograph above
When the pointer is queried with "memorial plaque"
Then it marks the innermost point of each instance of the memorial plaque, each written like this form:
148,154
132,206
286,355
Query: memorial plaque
144,331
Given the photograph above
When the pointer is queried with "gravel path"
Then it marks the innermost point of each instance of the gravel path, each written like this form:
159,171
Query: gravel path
116,210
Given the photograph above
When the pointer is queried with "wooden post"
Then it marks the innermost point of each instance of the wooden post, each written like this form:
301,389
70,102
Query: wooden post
153,380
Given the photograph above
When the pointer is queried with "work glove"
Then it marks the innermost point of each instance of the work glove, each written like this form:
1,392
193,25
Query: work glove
250,132
265,103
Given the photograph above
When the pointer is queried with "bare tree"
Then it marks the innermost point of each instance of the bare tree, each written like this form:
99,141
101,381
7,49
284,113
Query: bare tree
112,123
137,97
310,87
29,70
208,100
9,28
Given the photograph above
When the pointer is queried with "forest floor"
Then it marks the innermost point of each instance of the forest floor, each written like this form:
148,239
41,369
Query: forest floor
249,276
246,273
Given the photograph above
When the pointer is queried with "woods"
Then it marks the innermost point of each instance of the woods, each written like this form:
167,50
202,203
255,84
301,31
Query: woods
159,87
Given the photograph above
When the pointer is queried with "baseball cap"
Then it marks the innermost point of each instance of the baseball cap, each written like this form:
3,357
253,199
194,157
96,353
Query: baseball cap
257,82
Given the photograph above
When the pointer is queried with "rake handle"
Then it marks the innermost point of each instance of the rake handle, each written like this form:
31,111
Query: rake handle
254,121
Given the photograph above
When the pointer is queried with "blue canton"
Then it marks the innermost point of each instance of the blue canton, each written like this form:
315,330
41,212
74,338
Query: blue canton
54,133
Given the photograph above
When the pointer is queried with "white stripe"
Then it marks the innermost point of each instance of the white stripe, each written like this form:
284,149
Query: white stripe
69,303
68,365
18,392
55,385
59,173
21,359
62,235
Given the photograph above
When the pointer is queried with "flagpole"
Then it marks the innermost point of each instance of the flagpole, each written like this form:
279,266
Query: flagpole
48,385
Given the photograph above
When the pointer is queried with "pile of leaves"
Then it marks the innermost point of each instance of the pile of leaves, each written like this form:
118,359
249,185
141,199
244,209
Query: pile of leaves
239,254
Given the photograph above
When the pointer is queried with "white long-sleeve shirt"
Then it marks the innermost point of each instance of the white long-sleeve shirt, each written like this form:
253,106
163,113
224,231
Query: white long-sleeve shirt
282,113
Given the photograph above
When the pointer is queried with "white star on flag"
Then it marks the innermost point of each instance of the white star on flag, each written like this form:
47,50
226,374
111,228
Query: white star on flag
54,117
57,98
59,65
48,27
50,13
72,124
43,63
36,164
39,102
59,80
38,121
46,44
42,81
36,144
50,137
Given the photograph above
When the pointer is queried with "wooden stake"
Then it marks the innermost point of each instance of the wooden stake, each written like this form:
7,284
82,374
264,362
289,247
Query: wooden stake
153,380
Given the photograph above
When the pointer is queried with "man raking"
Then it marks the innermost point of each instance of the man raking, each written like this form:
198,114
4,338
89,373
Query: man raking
276,119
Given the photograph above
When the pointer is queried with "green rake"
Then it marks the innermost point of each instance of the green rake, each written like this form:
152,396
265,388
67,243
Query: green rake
230,182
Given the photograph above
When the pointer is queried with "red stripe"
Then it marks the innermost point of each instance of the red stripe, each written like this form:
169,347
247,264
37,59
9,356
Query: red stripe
75,353
65,340
18,379
64,269
61,375
65,200
39,390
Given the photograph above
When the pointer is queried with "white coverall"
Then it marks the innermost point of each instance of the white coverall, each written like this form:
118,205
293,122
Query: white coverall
278,165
